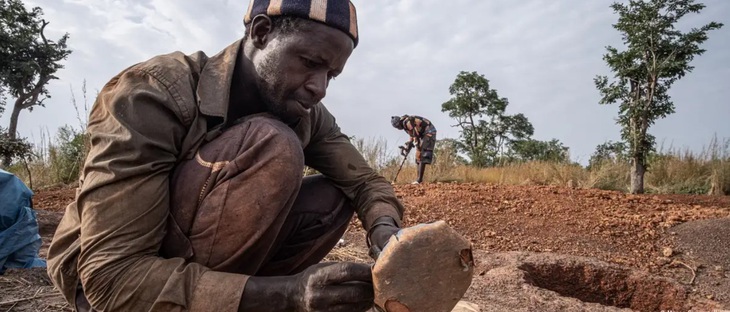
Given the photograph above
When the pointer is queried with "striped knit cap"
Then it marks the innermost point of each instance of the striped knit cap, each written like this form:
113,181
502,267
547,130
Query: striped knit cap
339,14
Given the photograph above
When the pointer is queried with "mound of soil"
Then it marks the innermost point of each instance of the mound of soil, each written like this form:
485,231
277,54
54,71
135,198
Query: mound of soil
610,226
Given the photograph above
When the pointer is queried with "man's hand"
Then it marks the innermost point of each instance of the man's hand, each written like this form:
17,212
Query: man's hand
403,151
378,236
406,148
341,286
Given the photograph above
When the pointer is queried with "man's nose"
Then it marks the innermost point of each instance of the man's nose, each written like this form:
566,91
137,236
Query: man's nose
317,85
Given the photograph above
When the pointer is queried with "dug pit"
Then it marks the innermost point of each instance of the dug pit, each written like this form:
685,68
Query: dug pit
607,285
522,281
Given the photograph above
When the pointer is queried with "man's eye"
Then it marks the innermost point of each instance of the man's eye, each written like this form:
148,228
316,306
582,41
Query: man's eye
309,63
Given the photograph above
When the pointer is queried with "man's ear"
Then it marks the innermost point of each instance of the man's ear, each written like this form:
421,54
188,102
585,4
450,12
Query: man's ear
261,30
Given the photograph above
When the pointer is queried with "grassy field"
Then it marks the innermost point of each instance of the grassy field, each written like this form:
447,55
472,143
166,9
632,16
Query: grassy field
671,171
57,161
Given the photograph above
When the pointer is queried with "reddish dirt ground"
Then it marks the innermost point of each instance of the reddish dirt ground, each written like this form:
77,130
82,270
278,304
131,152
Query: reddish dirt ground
662,235
610,226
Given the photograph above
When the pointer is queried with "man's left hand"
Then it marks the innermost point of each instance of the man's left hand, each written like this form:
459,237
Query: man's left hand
378,236
404,151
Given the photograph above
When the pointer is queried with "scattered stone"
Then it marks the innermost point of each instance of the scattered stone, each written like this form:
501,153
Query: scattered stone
572,184
663,261
667,252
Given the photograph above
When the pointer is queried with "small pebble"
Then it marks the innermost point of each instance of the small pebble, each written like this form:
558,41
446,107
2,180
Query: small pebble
667,252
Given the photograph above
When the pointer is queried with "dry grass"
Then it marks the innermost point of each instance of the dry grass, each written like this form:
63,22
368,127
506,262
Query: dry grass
668,175
543,173
55,162
29,290
347,254
682,171
671,171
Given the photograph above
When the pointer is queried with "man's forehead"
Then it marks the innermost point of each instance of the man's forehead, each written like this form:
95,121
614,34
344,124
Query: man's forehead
322,42
339,14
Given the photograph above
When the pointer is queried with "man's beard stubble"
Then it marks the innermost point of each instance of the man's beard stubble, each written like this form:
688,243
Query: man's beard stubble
272,90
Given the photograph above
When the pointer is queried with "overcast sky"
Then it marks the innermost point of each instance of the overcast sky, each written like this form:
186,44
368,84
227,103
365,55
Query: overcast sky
540,54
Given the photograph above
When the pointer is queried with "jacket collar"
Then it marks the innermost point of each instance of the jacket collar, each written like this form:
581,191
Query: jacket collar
214,85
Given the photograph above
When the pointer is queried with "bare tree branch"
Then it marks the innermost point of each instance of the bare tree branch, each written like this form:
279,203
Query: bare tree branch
43,27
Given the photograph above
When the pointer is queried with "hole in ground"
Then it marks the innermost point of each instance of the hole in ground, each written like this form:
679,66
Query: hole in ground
607,285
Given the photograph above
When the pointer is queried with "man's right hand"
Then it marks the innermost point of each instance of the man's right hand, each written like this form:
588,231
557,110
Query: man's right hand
339,286
342,286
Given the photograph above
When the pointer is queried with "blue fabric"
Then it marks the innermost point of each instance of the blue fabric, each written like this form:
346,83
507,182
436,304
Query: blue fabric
19,238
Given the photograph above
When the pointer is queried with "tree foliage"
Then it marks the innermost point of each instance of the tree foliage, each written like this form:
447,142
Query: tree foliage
446,152
609,151
14,148
28,60
483,140
535,150
657,54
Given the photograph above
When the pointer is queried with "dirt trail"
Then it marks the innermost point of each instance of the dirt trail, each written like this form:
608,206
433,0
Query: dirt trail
613,229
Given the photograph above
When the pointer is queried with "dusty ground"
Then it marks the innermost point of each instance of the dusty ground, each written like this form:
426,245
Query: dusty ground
533,245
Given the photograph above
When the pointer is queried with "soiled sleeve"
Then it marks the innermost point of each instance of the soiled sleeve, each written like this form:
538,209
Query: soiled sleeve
331,153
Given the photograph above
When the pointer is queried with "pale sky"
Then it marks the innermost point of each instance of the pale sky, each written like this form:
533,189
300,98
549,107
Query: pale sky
542,55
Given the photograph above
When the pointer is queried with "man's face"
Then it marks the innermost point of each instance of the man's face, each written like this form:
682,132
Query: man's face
294,69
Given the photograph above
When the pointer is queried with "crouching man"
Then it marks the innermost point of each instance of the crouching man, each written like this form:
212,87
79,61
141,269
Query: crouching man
192,196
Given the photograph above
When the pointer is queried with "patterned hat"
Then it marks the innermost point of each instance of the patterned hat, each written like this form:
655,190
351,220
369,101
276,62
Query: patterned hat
339,14
396,121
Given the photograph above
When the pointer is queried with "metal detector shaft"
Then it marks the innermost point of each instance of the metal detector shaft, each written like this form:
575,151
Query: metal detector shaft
401,166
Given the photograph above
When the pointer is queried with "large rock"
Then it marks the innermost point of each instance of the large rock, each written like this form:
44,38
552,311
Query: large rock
427,267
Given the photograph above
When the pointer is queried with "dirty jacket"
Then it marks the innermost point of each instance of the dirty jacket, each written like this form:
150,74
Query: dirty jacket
145,120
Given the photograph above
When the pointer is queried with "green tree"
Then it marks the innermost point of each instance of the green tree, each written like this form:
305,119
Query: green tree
656,56
608,152
507,130
28,60
446,152
483,141
14,148
535,150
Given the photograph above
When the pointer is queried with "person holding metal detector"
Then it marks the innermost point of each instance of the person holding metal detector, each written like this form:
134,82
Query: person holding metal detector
422,135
